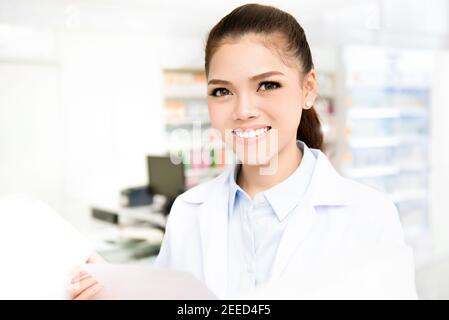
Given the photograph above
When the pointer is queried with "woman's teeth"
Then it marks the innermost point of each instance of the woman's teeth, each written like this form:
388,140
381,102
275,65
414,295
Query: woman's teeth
251,133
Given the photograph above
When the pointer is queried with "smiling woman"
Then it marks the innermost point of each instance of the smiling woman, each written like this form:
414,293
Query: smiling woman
299,227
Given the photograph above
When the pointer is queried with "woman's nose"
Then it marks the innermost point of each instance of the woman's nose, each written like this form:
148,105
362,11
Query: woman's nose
245,109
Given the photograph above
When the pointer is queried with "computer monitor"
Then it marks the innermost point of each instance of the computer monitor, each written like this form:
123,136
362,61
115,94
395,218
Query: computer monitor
166,178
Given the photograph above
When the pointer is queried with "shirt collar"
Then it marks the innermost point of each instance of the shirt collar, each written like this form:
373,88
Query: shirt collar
233,187
284,196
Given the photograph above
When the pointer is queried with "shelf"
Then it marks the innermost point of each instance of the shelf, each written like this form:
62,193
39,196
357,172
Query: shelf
409,195
388,107
363,143
379,171
183,97
31,61
372,113
395,141
188,92
385,113
184,70
412,232
381,84
371,171
187,125
414,167
203,172
187,122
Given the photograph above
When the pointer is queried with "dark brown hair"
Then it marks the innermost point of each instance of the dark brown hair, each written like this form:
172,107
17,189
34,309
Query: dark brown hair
268,20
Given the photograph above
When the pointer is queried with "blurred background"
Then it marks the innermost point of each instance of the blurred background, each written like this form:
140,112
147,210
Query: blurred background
90,91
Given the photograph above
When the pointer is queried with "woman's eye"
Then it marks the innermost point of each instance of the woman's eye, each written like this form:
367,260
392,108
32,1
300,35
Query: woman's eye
269,85
219,92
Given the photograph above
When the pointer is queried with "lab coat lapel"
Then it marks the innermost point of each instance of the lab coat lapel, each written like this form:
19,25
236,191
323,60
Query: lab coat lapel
326,188
301,222
213,224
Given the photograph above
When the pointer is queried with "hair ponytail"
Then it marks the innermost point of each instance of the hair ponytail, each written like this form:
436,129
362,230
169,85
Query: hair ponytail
309,129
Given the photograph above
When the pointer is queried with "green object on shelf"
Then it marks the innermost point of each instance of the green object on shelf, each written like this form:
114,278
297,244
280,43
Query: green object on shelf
213,163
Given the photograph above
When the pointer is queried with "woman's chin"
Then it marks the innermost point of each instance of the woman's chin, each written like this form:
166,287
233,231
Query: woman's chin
256,159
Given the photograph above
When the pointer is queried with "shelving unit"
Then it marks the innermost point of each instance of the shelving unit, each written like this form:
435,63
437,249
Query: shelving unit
387,127
186,111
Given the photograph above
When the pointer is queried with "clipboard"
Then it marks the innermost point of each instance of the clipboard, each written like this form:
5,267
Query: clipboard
141,282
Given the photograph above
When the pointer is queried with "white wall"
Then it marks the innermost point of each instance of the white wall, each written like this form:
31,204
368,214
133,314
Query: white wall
112,115
80,110
75,131
30,130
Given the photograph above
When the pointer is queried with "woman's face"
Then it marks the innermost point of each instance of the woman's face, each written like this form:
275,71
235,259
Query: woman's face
255,100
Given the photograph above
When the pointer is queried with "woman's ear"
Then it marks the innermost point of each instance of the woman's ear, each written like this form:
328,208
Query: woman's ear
310,89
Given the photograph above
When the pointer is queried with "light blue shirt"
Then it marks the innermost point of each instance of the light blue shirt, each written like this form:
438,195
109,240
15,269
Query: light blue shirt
256,225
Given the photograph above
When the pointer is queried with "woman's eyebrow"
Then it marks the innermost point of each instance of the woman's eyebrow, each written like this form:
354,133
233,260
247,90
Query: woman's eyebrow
253,78
265,75
218,81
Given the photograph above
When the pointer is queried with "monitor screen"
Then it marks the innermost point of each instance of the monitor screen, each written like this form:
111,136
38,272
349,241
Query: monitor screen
166,178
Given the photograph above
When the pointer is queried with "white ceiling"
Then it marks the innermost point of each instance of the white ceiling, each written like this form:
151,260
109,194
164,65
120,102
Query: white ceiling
324,20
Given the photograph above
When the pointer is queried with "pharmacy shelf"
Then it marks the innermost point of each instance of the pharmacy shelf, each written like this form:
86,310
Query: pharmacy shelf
387,127
185,98
189,69
189,122
380,171
396,85
371,171
386,112
419,194
189,92
415,167
394,141
204,171
362,143
413,232
53,62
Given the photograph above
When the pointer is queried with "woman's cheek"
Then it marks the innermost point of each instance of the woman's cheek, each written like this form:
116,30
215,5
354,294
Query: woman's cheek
287,124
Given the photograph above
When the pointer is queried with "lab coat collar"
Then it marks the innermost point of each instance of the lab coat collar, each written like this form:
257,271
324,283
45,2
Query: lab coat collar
286,195
327,187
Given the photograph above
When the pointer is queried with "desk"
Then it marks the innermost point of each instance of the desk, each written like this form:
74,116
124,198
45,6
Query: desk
135,239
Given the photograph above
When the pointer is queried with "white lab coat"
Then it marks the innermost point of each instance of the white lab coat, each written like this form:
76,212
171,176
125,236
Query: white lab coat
344,240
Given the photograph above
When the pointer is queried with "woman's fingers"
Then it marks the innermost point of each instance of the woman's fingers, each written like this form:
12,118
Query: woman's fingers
77,275
78,287
89,293
83,285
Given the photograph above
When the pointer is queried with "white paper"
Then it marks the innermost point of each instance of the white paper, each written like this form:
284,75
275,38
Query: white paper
39,249
139,282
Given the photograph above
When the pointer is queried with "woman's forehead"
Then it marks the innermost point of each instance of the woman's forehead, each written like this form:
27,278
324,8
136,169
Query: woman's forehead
248,55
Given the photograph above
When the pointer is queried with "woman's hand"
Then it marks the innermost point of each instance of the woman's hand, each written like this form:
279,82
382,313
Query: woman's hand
83,286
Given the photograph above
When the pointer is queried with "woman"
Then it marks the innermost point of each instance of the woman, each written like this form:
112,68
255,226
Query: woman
283,220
